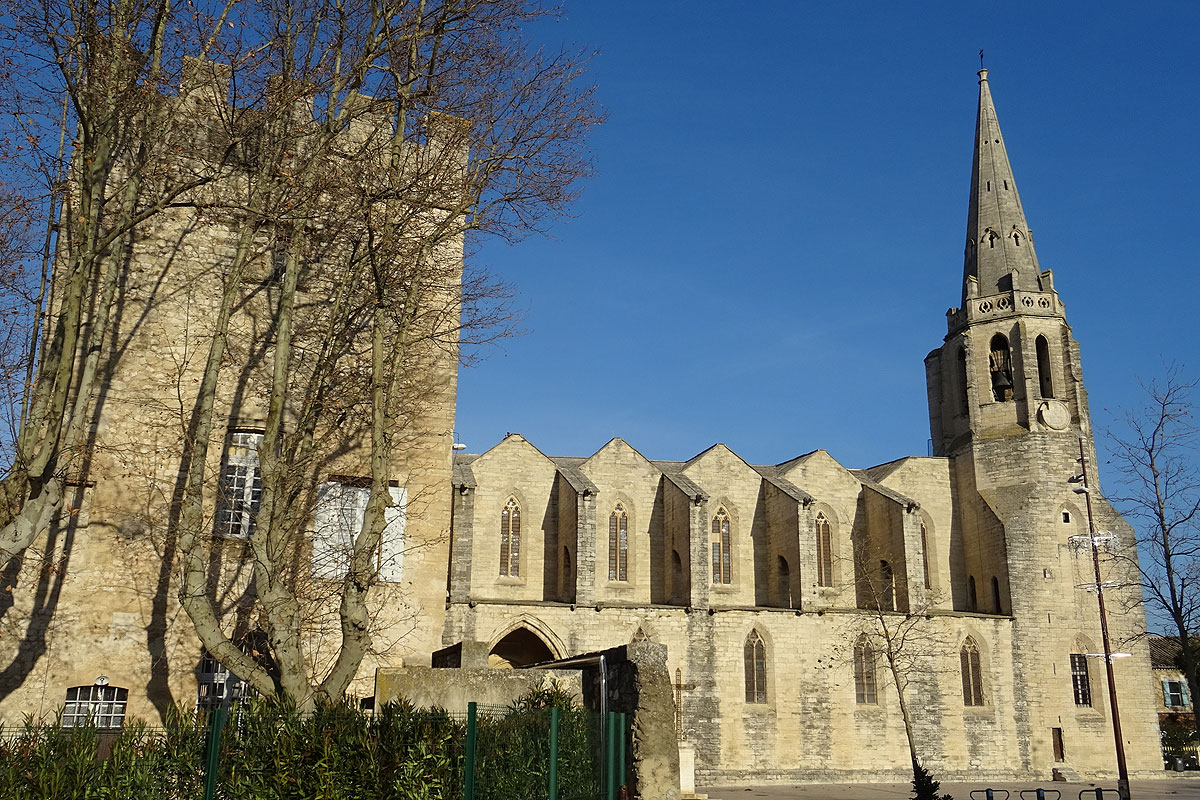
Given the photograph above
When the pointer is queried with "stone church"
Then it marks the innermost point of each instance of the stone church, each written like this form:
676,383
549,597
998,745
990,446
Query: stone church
768,584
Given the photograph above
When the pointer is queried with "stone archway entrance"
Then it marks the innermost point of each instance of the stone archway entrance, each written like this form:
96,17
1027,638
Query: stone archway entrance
519,648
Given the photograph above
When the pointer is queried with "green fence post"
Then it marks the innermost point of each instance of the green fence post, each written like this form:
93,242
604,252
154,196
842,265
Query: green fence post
610,767
216,722
553,753
622,722
469,765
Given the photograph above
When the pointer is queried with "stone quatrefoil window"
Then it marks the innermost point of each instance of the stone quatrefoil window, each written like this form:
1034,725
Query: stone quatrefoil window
864,673
972,677
510,539
756,668
618,544
722,545
824,552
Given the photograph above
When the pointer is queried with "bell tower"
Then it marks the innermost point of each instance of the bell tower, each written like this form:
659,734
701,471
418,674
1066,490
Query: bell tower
1009,364
1008,410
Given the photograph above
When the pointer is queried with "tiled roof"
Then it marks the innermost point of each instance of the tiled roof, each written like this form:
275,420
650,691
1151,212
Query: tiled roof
1164,652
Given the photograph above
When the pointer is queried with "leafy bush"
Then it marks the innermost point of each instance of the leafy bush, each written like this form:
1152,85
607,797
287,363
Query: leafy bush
271,752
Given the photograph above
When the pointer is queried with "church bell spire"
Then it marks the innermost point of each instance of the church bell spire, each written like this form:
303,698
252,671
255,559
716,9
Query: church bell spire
999,251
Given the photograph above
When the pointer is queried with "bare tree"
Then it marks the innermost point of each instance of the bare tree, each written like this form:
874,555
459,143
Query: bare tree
1154,452
347,153
903,635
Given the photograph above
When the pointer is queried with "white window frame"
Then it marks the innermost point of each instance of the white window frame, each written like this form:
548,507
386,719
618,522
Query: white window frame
240,489
338,520
1175,691
216,685
99,705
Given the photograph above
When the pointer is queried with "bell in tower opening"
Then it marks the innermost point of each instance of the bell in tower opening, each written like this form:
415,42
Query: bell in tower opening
1000,363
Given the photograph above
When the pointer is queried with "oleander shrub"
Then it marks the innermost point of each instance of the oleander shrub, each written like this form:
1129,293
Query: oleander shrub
269,751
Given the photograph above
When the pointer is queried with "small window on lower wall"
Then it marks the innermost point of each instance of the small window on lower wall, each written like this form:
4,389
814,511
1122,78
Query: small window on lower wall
100,705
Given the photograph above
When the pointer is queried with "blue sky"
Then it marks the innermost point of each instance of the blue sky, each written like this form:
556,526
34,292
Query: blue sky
775,230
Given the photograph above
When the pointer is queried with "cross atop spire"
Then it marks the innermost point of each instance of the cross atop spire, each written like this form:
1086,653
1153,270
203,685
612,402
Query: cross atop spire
998,239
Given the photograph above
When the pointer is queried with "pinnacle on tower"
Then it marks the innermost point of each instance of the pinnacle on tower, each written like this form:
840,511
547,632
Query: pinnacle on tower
999,252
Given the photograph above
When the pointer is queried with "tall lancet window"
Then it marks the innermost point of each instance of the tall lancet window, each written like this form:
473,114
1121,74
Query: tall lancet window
972,676
864,672
1000,364
755,655
618,544
722,544
824,552
1045,382
510,539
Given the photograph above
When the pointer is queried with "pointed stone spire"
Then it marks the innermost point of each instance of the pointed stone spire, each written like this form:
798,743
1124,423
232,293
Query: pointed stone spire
998,239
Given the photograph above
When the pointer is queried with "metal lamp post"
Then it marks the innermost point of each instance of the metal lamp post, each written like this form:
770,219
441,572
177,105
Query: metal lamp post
1122,770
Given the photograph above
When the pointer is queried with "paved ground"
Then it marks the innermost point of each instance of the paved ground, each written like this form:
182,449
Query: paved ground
1165,789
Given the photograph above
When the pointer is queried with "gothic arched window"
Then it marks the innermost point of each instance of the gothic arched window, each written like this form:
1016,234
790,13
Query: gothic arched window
972,677
887,587
510,539
864,672
618,544
1045,382
756,668
824,552
925,555
972,597
722,544
964,405
996,604
784,575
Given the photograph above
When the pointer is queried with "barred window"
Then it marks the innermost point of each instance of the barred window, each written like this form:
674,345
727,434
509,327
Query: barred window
972,677
510,539
722,543
864,672
756,668
100,705
240,487
1081,683
824,552
216,685
618,544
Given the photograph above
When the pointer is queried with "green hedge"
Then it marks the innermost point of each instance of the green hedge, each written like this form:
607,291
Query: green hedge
269,752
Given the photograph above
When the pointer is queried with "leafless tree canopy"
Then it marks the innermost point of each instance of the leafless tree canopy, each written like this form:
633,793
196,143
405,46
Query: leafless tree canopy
1154,450
374,138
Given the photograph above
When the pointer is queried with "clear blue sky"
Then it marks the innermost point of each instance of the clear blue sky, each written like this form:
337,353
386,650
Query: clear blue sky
775,232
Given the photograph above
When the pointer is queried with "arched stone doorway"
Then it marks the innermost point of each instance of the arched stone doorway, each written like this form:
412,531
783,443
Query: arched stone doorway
519,648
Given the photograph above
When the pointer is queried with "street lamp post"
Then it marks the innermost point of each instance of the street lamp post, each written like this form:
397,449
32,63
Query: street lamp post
1122,770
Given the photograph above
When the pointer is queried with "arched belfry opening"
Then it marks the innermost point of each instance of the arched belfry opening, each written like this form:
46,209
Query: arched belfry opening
519,648
1045,382
1000,365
